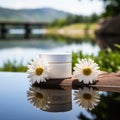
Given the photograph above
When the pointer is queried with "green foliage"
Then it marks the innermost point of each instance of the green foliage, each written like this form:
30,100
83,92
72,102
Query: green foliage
13,66
59,23
71,19
112,7
117,45
108,61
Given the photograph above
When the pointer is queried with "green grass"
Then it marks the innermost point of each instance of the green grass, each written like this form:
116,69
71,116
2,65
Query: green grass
108,61
13,66
81,28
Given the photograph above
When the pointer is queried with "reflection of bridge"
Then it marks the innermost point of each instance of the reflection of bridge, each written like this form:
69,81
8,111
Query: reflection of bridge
27,26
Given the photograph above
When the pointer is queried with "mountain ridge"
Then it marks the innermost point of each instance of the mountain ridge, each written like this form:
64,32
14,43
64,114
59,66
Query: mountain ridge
32,15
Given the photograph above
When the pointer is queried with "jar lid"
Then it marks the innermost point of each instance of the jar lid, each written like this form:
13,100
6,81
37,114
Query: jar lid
56,57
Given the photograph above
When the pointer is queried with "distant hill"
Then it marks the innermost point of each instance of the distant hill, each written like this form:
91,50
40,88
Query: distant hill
34,15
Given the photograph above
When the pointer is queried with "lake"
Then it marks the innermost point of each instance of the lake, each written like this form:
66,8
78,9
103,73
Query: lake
21,101
25,50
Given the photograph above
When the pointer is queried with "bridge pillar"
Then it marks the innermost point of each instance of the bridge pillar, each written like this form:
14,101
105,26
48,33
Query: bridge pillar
3,31
27,31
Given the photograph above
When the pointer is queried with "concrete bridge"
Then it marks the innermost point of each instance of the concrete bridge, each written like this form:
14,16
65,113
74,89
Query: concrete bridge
27,26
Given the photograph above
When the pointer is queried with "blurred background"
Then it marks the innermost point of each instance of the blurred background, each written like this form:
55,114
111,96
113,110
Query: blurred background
87,28
84,27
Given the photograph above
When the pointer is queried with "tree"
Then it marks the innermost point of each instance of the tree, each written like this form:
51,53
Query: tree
112,8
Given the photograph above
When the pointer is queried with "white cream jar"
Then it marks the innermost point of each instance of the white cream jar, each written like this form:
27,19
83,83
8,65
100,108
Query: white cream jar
60,64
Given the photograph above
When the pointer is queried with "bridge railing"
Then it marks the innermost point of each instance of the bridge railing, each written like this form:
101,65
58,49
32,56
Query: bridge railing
27,26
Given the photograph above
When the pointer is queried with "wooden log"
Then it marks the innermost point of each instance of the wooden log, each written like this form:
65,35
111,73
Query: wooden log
105,82
108,82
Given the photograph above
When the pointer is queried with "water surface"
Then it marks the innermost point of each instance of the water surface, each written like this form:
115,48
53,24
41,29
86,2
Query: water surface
25,50
21,101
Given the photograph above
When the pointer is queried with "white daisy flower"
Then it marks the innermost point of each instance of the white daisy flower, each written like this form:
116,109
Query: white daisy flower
38,97
87,98
38,70
86,70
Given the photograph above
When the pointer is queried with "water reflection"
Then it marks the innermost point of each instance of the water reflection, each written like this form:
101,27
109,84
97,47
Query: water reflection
87,98
24,50
51,100
108,108
38,97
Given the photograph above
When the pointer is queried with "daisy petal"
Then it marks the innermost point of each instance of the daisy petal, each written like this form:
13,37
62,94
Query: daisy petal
87,70
38,70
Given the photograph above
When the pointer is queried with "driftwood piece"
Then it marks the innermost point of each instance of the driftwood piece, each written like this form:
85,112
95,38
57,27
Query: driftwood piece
108,82
105,82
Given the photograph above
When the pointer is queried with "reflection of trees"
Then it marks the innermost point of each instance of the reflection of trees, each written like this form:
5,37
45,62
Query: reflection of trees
108,108
68,39
106,42
83,117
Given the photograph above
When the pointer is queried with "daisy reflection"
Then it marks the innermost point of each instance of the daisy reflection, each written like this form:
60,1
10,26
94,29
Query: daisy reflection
38,97
87,98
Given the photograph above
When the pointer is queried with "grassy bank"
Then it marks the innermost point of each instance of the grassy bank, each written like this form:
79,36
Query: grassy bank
75,30
108,61
13,66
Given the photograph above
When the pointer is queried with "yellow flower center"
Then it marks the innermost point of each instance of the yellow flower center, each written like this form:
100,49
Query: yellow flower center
87,96
39,95
39,71
87,71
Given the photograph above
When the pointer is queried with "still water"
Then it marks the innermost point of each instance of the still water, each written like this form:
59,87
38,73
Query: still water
25,50
22,31
21,101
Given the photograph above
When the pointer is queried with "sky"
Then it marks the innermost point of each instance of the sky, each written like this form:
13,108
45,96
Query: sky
81,7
